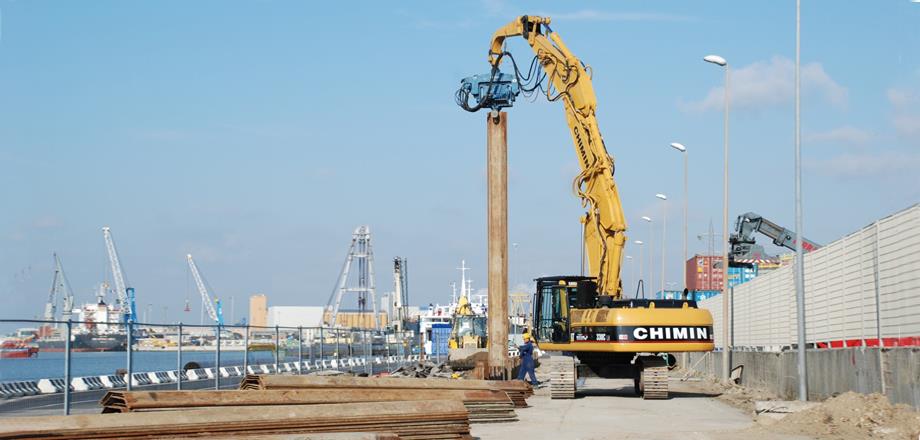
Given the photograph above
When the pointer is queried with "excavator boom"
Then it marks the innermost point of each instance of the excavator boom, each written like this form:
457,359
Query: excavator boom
604,222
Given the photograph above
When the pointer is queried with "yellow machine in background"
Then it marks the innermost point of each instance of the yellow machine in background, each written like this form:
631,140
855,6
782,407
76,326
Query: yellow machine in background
468,330
587,317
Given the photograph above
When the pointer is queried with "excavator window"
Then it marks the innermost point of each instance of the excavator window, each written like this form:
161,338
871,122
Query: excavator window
552,313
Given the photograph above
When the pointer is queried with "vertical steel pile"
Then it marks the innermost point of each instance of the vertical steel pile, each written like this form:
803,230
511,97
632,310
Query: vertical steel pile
497,182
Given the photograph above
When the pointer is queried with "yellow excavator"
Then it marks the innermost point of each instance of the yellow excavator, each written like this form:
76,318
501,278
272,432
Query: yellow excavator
468,330
587,318
467,336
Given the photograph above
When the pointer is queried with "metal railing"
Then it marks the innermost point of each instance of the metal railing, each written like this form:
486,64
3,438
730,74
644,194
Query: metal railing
215,351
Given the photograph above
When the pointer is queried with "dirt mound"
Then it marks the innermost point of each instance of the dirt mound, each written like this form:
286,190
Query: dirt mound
854,416
735,395
743,397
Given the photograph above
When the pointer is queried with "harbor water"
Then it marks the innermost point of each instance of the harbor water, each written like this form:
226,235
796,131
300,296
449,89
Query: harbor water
51,364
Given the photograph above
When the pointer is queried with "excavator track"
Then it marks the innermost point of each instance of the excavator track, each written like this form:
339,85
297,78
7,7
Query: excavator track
653,380
562,377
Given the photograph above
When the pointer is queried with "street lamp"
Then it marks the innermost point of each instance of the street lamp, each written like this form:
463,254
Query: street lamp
726,364
632,275
641,272
802,365
651,266
683,150
664,231
513,259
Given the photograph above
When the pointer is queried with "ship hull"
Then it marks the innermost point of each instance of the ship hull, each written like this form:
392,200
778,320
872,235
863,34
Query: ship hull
100,342
85,342
18,353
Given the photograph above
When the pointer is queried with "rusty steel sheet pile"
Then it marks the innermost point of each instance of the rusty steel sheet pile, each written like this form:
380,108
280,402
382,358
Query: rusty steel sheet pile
483,405
517,390
317,436
427,419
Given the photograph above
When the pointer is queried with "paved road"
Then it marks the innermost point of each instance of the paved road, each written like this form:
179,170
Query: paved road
606,409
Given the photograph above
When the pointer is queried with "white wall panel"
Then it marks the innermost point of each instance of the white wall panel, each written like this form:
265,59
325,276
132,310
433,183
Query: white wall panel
840,290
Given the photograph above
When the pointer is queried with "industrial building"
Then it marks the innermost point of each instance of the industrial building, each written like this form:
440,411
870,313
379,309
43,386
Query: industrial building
261,314
258,310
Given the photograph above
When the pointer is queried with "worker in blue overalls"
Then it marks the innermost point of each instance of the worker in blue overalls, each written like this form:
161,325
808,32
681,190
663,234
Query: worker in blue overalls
527,363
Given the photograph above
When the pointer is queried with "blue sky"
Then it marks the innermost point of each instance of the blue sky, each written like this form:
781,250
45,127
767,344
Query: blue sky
258,135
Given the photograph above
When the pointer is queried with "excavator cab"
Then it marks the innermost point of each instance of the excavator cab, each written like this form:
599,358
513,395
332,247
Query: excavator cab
552,302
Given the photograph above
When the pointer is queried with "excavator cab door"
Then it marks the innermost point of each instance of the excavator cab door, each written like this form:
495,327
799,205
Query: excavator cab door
551,312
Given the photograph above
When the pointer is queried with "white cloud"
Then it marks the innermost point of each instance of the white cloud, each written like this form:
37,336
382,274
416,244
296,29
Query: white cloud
845,134
594,15
900,97
766,84
907,125
905,105
877,164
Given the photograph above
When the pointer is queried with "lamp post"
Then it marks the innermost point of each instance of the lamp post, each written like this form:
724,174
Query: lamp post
632,274
802,366
651,267
664,231
511,260
681,148
726,363
641,272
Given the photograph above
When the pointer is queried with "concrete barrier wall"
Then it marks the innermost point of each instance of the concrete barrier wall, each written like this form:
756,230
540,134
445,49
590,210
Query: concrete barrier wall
830,372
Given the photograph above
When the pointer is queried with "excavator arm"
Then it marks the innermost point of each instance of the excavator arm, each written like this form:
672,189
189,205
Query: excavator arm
604,222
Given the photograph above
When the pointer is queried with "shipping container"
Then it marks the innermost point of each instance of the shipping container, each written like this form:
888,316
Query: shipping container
704,272
741,275
669,294
700,295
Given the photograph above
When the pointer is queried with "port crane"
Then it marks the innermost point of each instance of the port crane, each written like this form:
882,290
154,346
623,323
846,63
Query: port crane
400,298
123,293
745,248
586,317
60,288
216,314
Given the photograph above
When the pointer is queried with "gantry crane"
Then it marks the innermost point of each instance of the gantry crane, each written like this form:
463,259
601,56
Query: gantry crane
123,292
216,314
60,288
586,317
